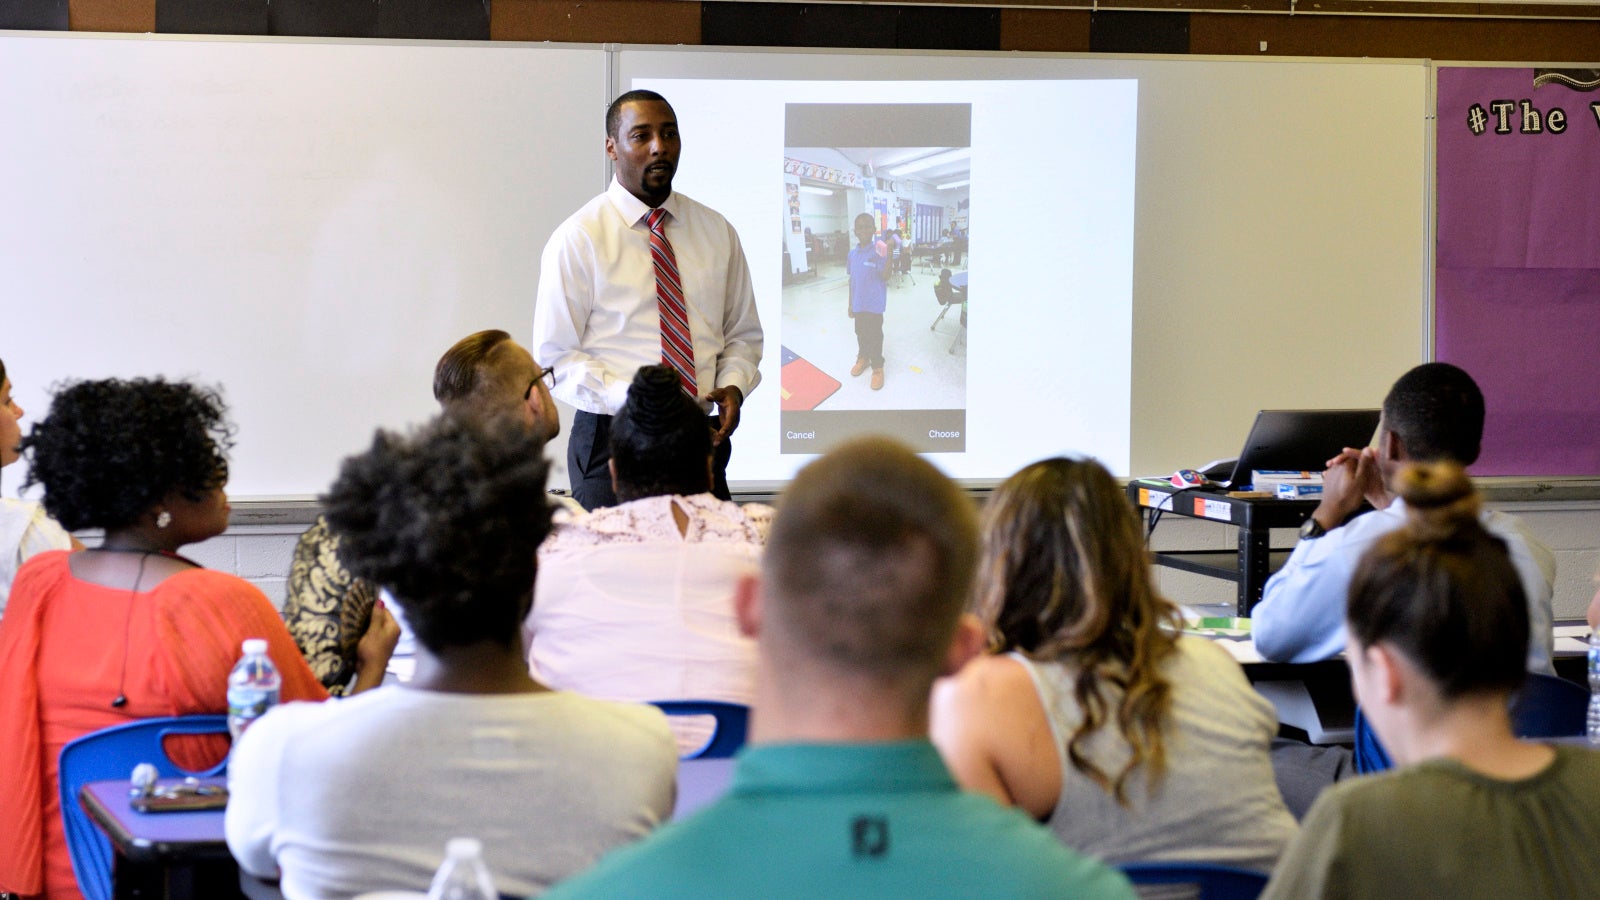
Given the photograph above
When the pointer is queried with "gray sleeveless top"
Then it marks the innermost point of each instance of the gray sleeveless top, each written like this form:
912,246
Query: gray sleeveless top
1218,801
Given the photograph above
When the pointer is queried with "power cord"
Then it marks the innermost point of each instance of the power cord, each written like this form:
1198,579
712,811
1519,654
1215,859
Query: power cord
1156,511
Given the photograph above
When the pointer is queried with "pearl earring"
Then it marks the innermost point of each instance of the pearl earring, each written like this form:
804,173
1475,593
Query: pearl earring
163,519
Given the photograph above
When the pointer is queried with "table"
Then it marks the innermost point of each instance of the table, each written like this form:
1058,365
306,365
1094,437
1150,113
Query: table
185,855
700,783
1314,701
168,854
1253,561
933,255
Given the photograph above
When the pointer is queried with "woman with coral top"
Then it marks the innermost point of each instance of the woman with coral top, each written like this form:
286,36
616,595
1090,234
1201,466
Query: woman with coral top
130,629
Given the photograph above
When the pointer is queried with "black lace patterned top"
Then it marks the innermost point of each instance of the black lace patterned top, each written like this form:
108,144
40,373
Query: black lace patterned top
327,609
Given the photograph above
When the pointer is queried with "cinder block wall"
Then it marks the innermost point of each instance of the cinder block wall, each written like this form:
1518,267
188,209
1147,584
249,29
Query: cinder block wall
259,554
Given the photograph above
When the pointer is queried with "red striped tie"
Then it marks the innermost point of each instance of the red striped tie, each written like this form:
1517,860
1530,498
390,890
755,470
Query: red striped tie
677,350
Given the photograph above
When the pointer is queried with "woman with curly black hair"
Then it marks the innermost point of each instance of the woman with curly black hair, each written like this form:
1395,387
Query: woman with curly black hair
1128,740
25,529
633,600
130,629
447,522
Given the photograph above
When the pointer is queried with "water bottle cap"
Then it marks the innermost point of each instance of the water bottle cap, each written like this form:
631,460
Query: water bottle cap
464,846
255,645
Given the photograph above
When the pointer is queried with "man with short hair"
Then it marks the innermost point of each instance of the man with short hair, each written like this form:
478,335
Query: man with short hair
488,373
642,275
1433,413
857,611
485,374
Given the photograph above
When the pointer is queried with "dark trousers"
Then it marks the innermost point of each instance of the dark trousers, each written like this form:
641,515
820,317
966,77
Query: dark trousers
869,338
589,452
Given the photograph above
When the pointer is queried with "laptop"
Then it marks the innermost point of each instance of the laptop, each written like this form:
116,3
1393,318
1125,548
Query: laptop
1296,440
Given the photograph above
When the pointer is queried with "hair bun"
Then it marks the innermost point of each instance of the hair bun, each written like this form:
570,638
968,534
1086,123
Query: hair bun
1441,499
656,404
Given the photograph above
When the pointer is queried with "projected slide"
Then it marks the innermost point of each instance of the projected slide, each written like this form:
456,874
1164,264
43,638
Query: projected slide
854,306
866,208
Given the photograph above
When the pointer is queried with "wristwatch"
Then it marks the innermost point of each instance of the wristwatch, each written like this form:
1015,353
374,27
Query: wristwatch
1311,528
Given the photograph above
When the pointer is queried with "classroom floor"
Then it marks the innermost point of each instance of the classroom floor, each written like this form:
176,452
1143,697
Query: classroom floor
920,371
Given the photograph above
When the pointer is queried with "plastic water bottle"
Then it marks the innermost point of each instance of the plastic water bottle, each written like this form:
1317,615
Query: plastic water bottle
463,876
1594,688
253,687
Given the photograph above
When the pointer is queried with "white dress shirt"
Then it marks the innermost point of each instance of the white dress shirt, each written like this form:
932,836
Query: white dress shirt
1301,614
595,320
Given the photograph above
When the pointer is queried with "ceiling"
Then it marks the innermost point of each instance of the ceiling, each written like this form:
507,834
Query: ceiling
884,160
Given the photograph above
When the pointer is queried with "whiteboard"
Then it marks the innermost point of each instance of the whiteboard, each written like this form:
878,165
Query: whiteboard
1281,246
308,223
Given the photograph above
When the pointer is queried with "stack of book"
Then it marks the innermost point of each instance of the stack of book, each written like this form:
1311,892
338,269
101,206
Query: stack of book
1288,485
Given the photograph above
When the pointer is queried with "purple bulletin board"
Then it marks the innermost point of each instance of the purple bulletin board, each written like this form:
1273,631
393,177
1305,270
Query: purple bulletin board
1517,289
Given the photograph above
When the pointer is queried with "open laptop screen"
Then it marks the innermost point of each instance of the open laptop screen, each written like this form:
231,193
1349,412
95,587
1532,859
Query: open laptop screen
1301,439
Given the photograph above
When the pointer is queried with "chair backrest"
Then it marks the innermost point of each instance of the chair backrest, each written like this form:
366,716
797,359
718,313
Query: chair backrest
1548,706
1369,753
733,724
1204,881
112,753
944,292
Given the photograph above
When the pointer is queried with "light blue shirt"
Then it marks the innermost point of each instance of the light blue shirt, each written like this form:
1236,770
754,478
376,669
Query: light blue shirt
1301,614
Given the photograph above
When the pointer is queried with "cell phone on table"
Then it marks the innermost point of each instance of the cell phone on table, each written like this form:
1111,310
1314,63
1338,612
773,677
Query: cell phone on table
182,798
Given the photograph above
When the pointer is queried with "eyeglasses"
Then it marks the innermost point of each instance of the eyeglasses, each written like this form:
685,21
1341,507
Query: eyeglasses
547,375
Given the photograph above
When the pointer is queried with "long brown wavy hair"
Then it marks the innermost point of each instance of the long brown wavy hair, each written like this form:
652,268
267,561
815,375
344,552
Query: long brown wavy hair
1065,578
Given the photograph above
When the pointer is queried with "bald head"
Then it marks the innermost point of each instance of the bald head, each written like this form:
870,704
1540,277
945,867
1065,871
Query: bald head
869,564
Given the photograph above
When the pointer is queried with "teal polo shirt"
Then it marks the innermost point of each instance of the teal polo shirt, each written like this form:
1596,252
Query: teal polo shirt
848,820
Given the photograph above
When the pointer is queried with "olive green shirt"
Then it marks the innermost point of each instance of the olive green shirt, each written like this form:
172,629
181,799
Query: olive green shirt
1438,829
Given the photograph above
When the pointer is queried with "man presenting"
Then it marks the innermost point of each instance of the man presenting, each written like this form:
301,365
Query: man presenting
639,276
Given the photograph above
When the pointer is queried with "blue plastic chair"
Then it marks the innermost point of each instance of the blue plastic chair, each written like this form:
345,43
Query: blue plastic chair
1546,706
112,753
732,728
1208,880
1369,753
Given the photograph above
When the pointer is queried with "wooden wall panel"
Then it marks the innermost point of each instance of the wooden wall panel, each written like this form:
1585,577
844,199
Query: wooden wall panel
1139,32
35,15
1405,38
1029,29
213,17
853,25
596,21
1045,30
947,28
112,15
